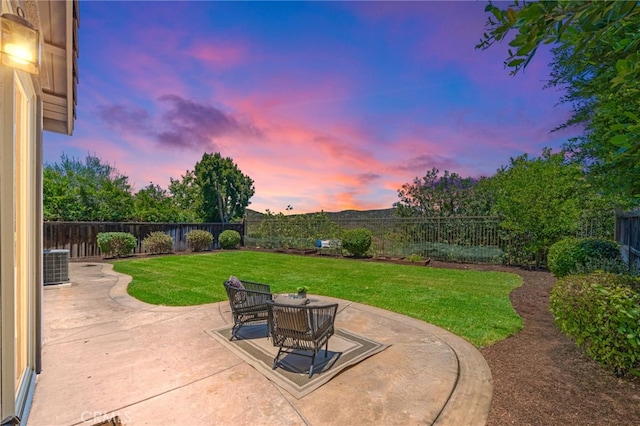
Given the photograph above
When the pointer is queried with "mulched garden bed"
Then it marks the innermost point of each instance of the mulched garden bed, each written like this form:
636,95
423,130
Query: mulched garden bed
541,378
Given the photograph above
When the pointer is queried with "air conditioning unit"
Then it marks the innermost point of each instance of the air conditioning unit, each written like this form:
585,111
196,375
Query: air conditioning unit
55,266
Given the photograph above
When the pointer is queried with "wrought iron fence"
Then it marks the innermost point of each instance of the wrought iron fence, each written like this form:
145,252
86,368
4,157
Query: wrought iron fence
460,239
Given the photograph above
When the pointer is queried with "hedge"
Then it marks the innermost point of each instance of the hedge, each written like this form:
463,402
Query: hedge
601,311
572,255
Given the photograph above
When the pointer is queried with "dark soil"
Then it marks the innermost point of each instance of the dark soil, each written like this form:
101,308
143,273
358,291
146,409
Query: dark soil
539,375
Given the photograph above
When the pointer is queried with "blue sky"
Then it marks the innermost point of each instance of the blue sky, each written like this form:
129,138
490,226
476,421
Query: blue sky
325,105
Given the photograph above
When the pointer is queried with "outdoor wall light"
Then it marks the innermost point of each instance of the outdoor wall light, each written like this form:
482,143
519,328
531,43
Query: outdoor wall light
19,43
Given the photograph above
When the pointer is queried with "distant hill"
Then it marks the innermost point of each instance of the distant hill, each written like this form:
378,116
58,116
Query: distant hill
345,214
253,215
362,214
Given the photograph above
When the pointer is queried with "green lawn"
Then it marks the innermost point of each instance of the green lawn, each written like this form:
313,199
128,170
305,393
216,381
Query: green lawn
471,304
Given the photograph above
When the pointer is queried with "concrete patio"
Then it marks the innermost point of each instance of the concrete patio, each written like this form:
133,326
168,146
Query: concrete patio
107,354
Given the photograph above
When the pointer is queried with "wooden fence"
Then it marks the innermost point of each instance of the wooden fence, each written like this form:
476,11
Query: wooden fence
80,238
628,236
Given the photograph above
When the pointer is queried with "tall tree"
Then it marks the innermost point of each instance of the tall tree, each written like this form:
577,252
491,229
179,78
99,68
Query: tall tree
224,189
186,195
597,60
447,195
85,191
539,200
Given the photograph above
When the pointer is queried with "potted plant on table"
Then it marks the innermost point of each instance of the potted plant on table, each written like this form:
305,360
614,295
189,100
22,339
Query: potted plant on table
302,291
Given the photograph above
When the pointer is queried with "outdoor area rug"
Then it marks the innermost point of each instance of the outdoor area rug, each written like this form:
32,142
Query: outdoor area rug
253,346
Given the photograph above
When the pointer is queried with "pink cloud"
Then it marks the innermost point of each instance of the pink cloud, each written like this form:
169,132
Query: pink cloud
293,92
471,147
217,54
149,76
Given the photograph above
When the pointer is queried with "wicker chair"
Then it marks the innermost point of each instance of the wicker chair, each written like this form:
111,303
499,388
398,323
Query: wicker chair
300,328
248,304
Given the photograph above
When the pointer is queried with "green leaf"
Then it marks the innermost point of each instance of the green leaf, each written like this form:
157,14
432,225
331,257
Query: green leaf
620,140
626,7
632,116
497,13
618,126
518,41
622,44
622,65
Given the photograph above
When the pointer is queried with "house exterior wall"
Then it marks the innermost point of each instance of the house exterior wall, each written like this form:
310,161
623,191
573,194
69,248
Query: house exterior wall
20,233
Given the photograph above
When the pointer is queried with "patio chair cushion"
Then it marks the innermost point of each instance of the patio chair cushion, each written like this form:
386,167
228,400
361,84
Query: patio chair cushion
240,296
293,320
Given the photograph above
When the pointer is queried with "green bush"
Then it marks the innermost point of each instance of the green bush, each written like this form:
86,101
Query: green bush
356,241
563,257
158,242
116,243
616,266
601,311
199,239
595,248
573,255
229,239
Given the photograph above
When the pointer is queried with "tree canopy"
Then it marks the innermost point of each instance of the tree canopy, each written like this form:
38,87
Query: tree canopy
215,191
154,204
539,200
596,59
434,195
186,194
85,191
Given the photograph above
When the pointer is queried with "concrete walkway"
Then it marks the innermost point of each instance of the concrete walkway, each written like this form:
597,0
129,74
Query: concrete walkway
108,354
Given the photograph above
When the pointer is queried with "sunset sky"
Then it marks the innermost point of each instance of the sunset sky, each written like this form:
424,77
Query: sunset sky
325,105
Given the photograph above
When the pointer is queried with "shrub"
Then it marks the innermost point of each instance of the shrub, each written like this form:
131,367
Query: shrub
572,255
116,243
199,239
158,242
595,248
229,239
601,311
356,241
616,266
563,257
